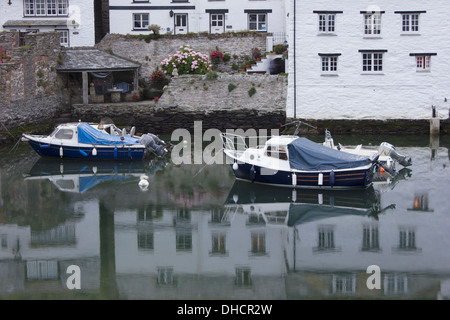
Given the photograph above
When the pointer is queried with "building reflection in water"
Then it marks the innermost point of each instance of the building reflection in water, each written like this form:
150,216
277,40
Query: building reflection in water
260,244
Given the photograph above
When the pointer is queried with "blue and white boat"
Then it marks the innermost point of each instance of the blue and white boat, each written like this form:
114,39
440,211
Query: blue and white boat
293,161
82,140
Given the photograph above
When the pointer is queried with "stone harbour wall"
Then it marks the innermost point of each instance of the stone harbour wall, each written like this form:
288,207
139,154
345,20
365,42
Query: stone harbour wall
223,103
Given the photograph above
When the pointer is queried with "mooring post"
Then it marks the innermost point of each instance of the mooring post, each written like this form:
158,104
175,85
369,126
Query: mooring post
434,122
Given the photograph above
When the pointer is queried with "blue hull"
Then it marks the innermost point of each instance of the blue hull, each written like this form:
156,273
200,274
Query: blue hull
342,179
103,153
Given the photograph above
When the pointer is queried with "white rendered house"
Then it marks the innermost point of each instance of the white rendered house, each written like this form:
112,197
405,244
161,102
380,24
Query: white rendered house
74,20
183,16
354,59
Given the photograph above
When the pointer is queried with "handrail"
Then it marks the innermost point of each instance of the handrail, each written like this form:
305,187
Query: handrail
234,142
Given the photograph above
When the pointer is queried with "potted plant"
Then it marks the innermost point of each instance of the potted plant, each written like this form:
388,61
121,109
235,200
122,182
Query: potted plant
256,54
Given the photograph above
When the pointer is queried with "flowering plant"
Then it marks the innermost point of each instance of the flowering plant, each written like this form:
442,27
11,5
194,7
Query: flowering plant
186,61
256,53
159,78
216,56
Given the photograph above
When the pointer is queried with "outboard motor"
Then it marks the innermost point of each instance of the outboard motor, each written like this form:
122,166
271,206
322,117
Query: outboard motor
153,144
389,150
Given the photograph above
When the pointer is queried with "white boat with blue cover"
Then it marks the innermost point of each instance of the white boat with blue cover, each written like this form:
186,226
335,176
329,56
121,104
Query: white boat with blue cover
81,140
293,161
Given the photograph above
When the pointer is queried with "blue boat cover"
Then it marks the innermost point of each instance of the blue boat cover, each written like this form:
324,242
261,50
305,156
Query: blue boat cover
305,154
89,182
304,213
88,134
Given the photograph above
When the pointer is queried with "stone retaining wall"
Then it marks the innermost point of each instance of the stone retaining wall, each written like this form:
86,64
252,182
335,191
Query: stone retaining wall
149,53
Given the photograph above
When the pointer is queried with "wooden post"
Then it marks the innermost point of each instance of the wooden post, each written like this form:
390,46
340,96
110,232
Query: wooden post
85,87
135,81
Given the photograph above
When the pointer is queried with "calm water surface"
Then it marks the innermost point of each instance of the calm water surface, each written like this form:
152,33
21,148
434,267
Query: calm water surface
196,233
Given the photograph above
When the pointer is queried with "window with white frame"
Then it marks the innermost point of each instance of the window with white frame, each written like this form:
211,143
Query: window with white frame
257,22
64,37
45,7
257,19
327,21
423,61
372,61
372,22
410,21
140,21
329,63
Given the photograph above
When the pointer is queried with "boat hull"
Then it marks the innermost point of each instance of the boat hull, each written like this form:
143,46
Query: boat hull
121,152
351,178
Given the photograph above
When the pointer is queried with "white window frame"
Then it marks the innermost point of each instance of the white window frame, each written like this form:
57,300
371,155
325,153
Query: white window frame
372,23
141,20
63,6
41,8
52,7
329,63
45,8
259,25
327,23
423,61
64,36
373,61
410,22
215,19
29,8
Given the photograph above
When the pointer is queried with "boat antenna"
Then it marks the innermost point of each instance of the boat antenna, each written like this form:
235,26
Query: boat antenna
297,127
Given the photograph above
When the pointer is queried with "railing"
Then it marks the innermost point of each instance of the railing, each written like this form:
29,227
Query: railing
279,38
235,142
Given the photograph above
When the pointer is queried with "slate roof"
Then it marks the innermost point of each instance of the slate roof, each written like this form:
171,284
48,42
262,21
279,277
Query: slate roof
94,60
35,23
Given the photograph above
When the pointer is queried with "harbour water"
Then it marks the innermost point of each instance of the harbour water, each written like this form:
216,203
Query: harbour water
86,230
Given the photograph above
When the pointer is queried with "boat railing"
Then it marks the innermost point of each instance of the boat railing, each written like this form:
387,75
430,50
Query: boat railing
236,142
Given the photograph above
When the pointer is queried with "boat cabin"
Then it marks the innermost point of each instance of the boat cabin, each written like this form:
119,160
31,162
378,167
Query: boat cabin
276,147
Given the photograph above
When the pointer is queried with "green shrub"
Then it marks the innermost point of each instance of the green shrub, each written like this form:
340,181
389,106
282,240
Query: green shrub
231,87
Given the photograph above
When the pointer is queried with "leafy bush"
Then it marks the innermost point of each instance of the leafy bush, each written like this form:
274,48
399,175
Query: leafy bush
231,87
211,75
279,48
186,61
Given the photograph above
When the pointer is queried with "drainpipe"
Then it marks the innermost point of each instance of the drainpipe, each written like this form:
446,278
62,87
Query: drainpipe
295,67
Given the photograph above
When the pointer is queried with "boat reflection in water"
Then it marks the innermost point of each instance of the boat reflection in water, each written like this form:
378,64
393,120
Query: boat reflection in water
292,206
80,176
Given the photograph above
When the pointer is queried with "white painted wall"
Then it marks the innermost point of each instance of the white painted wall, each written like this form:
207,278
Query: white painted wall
121,20
399,93
81,11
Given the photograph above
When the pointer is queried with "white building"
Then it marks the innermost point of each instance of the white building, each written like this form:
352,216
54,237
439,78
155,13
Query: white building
354,59
74,20
183,16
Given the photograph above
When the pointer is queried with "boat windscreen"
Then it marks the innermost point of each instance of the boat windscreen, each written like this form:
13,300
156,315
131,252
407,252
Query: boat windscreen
305,154
88,134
